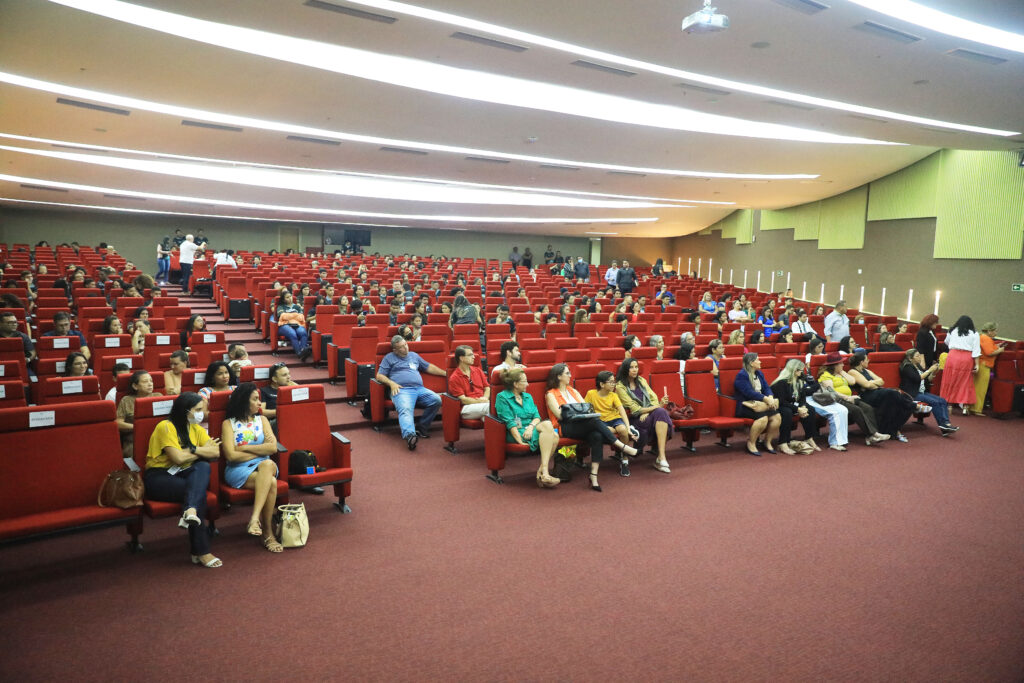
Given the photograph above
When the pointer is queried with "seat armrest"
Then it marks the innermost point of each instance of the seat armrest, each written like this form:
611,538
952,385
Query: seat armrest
451,414
342,450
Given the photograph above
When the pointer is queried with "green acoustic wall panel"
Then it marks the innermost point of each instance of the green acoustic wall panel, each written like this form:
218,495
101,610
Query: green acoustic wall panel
842,220
980,206
778,219
744,219
728,225
909,193
808,220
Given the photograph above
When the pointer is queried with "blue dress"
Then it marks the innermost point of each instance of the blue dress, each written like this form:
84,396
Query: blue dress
248,433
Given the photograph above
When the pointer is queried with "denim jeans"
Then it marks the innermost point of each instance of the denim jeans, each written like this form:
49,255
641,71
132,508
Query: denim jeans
940,407
408,399
838,421
188,486
296,336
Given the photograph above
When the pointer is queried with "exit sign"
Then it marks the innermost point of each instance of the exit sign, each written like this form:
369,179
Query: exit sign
778,273
1017,287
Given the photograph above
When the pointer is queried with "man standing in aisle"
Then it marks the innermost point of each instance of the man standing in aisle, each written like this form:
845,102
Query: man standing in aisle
611,276
837,325
186,257
626,278
400,370
515,257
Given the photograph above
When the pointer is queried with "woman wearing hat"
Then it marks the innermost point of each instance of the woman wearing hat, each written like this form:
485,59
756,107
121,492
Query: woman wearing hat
833,377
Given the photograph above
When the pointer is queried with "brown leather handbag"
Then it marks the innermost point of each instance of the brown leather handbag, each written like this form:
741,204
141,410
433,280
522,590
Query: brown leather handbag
121,489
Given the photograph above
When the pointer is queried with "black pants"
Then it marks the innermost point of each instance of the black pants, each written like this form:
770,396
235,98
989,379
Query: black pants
810,423
592,432
186,275
188,487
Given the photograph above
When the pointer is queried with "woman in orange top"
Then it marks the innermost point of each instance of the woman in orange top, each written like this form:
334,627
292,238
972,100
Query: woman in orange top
990,350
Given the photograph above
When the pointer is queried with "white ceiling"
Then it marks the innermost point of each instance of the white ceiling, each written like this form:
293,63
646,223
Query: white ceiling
820,54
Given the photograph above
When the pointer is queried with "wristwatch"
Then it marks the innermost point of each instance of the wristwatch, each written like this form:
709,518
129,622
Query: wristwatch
192,448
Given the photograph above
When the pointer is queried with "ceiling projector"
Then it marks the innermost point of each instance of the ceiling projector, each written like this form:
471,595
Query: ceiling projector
705,20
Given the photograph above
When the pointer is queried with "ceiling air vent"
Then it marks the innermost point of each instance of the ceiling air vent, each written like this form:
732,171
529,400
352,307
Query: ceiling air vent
78,148
488,160
489,42
124,196
402,150
883,31
862,117
351,11
211,126
703,89
632,173
601,67
804,6
95,107
560,167
791,105
976,56
319,141
29,186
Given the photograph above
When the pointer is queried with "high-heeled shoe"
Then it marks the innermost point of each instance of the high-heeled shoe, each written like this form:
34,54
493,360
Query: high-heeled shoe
754,451
546,481
594,486
628,450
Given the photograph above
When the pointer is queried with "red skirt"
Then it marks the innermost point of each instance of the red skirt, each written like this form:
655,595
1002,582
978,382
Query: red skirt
958,378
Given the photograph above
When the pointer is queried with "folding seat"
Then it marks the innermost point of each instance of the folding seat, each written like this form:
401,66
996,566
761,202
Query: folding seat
760,349
496,449
701,394
610,357
12,393
149,412
609,330
583,330
57,347
771,367
528,330
1006,383
257,374
126,307
532,344
208,347
380,401
566,342
573,357
69,389
556,330
158,344
539,357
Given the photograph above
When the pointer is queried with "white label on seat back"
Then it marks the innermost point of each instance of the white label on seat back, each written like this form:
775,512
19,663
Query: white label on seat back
42,418
61,343
73,387
112,342
162,407
3,370
201,378
300,394
60,365
126,361
261,373
209,339
163,339
3,391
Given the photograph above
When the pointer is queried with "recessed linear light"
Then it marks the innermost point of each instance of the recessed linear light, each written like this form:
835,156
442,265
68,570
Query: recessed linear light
263,124
919,15
639,65
353,186
804,6
43,183
234,163
462,83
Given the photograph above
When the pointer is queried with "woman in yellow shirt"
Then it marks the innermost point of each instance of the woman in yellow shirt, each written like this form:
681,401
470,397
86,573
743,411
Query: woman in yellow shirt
178,469
833,377
607,404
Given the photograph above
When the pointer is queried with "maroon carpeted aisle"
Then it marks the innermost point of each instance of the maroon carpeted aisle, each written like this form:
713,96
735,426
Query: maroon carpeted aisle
897,563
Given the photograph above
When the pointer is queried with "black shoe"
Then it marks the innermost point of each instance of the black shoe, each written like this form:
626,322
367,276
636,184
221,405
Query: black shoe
594,486
411,441
422,433
624,467
305,353
317,490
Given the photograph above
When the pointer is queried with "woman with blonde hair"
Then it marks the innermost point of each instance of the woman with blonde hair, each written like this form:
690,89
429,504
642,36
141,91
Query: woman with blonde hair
789,389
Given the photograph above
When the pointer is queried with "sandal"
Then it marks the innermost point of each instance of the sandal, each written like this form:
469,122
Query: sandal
212,563
546,481
254,528
271,544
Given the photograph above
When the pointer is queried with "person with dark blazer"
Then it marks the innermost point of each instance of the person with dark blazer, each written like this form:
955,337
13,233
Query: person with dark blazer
625,279
926,342
754,401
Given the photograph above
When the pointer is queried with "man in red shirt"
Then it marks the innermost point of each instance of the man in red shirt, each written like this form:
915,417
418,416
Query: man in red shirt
468,384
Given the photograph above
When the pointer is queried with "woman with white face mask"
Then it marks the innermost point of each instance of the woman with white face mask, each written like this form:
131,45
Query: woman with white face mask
178,469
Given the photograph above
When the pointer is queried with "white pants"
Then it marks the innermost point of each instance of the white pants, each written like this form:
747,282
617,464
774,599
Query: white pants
475,411
838,421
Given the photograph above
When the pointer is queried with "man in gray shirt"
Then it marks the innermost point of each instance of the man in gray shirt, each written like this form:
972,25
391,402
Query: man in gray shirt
837,325
400,370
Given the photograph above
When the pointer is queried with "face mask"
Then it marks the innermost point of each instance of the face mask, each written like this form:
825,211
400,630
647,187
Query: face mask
636,343
195,418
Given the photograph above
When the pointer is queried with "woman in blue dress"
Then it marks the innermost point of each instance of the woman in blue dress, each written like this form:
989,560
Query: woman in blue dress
248,443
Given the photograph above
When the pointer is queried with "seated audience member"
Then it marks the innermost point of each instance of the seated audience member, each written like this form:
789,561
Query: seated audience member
784,336
990,350
658,342
914,381
801,328
400,370
962,364
196,323
738,314
279,376
716,352
768,321
833,410
514,407
720,319
219,377
511,356
248,444
178,470
886,342
791,393
847,346
463,313
238,357
76,365
754,401
646,411
926,342
119,369
756,337
892,408
707,304
112,325
814,348
139,332
416,326
291,324
139,386
735,338
837,382
630,342
172,377
609,407
502,317
468,384
62,328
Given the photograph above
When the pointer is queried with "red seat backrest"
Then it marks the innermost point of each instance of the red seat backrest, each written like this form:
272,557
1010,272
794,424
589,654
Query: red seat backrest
57,347
70,389
149,412
12,393
302,419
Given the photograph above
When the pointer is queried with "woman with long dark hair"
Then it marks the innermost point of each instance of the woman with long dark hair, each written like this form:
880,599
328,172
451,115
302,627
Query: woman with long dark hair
891,408
163,260
646,411
964,344
249,443
914,381
220,376
178,470
140,385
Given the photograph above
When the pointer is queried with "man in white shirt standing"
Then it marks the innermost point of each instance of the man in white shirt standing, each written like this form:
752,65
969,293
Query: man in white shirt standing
837,325
611,276
186,257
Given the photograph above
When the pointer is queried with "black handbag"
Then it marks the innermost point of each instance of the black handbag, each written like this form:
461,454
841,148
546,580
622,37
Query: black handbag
574,412
300,461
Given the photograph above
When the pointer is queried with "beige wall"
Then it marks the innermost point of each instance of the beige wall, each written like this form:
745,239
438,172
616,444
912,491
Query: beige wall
897,255
638,251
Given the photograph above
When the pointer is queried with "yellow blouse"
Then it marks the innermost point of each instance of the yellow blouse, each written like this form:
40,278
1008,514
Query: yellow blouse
606,406
838,383
166,435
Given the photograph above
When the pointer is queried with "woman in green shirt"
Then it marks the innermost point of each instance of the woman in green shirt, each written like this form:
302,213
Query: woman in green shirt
515,407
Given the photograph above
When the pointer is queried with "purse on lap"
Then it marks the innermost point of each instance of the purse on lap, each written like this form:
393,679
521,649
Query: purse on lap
576,412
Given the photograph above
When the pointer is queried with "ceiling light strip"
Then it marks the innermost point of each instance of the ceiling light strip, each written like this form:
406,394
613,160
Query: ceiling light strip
578,50
262,124
441,79
48,184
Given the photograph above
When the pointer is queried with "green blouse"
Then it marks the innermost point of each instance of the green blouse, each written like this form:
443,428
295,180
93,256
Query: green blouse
515,415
